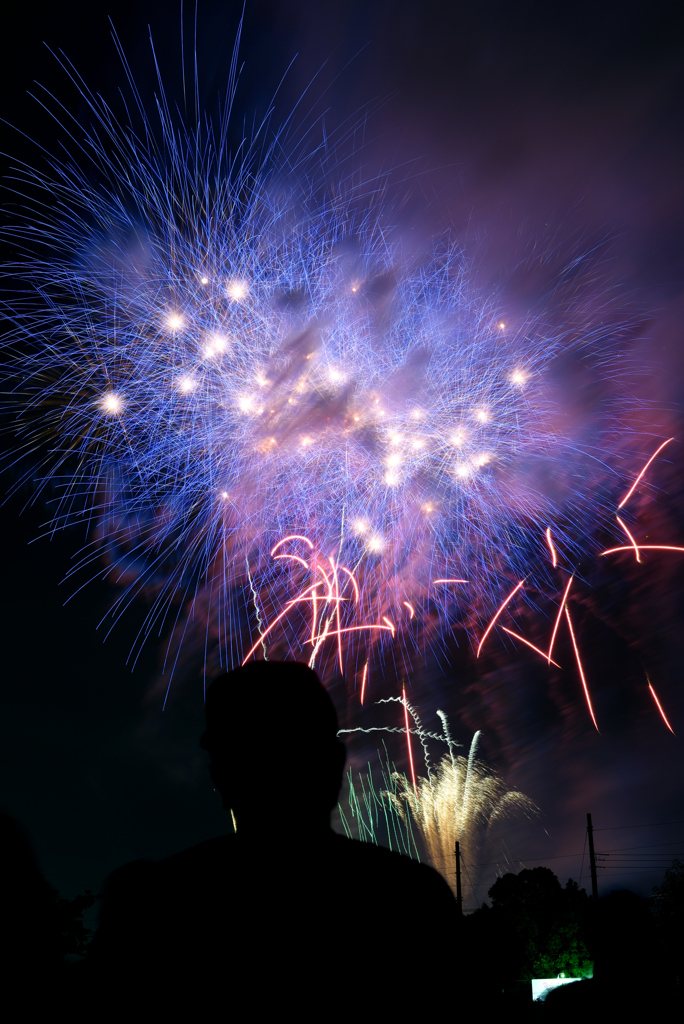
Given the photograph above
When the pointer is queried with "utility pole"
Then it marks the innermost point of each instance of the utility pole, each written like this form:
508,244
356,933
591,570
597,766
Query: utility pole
459,897
592,858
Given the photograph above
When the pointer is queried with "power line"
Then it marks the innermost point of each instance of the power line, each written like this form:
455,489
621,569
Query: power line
653,824
563,856
653,858
602,853
647,846
626,869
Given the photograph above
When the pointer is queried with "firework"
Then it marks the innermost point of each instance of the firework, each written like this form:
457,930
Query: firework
213,352
461,798
659,706
371,813
273,419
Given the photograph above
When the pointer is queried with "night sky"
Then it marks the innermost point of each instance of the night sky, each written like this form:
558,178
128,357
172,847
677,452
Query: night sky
519,126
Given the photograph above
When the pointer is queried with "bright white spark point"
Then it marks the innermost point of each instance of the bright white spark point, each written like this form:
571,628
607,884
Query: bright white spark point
391,479
216,345
306,441
237,290
186,384
458,439
416,414
205,280
246,403
361,526
482,415
375,543
417,445
518,377
482,460
394,460
335,376
463,470
502,326
224,494
111,403
175,322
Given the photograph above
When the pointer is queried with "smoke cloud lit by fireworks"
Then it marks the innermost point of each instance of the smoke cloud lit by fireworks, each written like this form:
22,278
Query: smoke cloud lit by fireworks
220,345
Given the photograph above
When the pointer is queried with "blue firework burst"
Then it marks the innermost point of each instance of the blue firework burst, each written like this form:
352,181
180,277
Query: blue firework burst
216,347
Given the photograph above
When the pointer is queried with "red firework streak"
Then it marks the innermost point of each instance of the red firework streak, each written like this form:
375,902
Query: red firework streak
549,541
660,708
500,609
330,583
558,618
581,670
328,590
637,549
408,741
364,680
563,608
630,492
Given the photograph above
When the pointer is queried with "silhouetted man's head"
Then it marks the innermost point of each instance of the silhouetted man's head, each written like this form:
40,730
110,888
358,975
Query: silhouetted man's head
272,737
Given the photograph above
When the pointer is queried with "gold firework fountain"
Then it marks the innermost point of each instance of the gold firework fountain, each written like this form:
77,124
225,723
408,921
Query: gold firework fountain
462,799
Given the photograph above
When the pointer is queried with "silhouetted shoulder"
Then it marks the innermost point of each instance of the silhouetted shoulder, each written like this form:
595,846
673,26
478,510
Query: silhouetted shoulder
379,863
213,852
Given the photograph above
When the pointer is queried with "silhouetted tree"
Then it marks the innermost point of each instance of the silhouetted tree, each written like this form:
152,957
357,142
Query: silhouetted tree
74,934
535,928
668,910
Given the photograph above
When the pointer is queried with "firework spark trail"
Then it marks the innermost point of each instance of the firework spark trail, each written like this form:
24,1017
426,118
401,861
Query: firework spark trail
581,670
256,609
375,807
630,492
468,785
563,610
447,734
364,681
643,547
544,654
408,741
660,707
500,609
418,731
549,541
558,618
634,543
310,595
396,729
